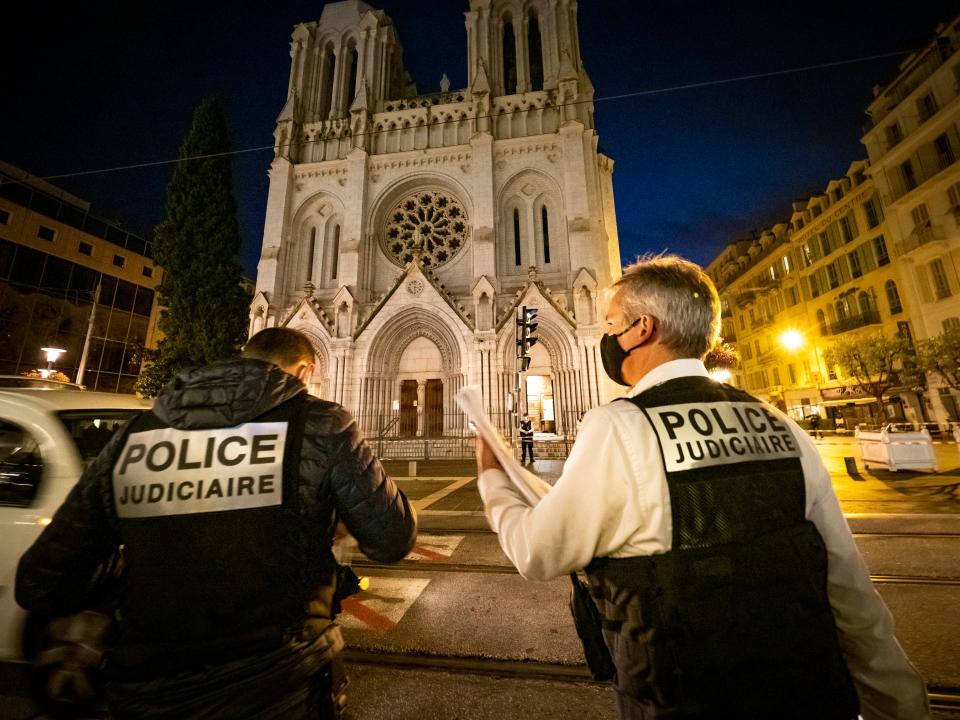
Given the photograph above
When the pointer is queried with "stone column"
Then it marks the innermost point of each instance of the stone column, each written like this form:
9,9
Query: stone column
421,415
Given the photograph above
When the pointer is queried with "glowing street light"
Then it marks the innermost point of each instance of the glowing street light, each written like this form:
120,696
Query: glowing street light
53,355
792,340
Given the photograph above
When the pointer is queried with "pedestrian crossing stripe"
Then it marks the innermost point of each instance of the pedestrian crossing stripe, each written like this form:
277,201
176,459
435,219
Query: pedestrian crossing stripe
383,605
435,548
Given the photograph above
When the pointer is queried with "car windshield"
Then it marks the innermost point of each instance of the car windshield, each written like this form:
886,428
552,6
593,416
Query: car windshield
92,429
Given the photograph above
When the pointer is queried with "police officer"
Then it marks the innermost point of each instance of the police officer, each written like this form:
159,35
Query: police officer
225,498
526,439
705,520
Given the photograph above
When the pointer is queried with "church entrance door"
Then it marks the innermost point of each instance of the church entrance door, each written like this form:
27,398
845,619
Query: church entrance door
408,408
434,409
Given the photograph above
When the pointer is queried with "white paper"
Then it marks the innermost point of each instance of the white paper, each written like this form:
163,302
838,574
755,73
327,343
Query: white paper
531,487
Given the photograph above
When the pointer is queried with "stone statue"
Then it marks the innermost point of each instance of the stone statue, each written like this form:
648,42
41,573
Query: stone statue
444,84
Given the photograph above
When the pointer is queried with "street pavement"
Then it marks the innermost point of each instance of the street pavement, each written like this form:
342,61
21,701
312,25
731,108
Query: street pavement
453,631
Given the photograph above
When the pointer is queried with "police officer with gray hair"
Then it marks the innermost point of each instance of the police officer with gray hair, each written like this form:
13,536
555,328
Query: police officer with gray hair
225,498
726,576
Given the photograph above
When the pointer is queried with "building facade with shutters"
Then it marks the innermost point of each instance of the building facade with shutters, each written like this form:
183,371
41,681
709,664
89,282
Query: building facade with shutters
404,231
879,249
54,255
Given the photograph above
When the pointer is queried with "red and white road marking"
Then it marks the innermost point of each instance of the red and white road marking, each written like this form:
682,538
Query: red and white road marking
435,548
383,605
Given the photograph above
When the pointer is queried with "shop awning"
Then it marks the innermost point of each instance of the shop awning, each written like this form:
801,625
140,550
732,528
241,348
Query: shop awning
855,401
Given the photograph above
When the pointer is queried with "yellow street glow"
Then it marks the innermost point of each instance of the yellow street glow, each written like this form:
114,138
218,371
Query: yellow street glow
791,340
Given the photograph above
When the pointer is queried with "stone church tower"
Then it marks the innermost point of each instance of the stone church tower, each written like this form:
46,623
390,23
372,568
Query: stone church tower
403,230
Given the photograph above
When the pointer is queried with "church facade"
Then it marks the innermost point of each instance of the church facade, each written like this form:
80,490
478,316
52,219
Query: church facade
404,231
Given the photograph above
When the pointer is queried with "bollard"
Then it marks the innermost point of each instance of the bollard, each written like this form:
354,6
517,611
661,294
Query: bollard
412,468
851,465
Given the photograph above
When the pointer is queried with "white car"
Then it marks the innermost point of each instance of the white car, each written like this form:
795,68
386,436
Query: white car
47,437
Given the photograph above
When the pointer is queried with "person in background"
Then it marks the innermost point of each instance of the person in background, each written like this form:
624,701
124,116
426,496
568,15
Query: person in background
727,579
526,439
225,498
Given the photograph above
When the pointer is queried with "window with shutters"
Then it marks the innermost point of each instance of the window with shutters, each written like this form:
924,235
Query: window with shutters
940,284
893,297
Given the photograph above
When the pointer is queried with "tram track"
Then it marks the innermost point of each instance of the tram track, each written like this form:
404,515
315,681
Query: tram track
451,567
941,699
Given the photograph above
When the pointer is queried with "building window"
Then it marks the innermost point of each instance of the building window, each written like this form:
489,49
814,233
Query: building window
792,297
880,251
927,107
832,277
921,216
903,330
945,154
311,253
953,195
822,322
326,86
940,284
545,225
848,228
855,269
4,217
119,261
147,271
776,376
951,323
743,322
509,59
534,49
873,212
908,176
893,297
894,134
85,248
516,238
335,253
46,233
793,373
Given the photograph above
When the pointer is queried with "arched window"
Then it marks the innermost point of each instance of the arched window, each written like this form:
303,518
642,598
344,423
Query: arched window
509,58
534,47
865,302
822,322
311,253
351,89
545,226
326,83
335,253
516,237
893,297
842,309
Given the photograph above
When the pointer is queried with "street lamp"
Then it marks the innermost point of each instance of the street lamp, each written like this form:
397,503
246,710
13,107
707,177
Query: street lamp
53,354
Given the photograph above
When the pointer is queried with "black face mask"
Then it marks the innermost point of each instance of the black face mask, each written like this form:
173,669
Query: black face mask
613,355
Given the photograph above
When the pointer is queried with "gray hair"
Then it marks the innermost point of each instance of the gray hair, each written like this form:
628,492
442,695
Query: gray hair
679,295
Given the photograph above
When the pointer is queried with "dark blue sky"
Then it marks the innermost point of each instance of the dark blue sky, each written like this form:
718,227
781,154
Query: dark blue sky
86,86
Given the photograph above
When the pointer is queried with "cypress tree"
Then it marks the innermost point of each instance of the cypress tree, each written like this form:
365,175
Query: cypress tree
204,316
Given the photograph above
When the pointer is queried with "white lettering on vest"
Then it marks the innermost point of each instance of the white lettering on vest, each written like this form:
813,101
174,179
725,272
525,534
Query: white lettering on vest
696,435
178,472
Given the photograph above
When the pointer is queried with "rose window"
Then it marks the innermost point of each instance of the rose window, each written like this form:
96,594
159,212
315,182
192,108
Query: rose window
432,221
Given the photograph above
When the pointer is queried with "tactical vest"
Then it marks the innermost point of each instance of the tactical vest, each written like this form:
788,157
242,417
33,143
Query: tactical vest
734,621
209,518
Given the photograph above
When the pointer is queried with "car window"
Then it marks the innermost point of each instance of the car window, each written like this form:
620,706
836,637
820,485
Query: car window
91,430
20,466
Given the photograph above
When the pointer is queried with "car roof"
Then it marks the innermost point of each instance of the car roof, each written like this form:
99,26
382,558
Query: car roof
60,400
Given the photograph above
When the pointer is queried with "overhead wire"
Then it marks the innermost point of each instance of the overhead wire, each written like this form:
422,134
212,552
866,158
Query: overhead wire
606,98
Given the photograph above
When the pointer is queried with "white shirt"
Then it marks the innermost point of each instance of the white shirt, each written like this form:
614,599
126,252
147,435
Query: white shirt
612,500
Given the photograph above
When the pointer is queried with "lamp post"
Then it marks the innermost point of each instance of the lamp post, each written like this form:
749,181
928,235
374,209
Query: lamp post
52,354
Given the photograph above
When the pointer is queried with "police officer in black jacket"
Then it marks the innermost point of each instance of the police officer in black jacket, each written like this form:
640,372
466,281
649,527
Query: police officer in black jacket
225,498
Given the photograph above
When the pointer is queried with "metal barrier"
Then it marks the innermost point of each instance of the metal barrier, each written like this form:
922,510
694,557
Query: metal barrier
409,435
897,450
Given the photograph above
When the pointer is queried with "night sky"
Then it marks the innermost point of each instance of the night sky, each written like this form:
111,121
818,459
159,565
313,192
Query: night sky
87,86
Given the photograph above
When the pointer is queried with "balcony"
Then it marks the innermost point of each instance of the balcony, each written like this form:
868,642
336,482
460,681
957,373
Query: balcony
926,64
761,322
918,237
871,317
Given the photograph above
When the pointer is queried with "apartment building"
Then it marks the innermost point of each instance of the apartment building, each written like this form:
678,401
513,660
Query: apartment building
56,258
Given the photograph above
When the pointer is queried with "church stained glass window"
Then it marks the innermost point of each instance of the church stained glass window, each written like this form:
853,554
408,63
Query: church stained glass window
432,220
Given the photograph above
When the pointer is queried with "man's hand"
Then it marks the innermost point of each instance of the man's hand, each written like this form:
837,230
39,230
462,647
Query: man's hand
486,460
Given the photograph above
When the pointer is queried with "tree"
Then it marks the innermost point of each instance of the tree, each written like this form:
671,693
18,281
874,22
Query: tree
941,355
204,315
874,362
722,356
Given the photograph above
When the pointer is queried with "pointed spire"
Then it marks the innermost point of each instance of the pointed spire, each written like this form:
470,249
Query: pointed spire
288,114
567,70
362,101
480,82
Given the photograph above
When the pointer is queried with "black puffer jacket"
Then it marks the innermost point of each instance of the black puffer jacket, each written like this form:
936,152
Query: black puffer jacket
339,479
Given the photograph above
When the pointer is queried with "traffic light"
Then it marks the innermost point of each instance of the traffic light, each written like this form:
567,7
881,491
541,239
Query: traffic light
527,323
